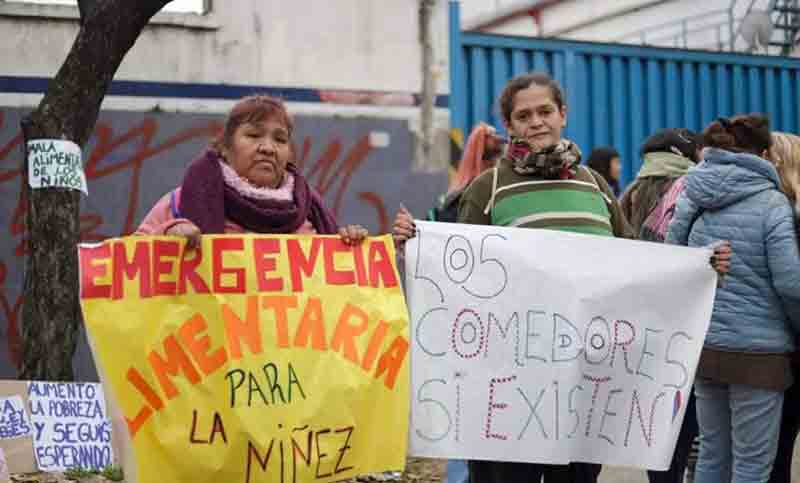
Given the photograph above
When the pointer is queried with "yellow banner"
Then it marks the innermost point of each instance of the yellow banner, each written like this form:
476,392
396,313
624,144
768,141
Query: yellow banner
255,358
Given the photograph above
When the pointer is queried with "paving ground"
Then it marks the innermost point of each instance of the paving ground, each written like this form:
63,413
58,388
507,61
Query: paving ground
421,470
618,475
430,471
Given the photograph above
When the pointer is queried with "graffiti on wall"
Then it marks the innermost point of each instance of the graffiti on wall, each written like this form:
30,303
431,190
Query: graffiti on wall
135,158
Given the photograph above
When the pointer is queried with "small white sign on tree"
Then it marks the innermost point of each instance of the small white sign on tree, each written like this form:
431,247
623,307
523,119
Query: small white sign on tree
55,163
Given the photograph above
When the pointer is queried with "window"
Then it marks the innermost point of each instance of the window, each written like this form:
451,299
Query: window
176,6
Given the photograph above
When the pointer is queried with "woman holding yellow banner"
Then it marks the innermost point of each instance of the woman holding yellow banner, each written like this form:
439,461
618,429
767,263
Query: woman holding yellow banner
245,182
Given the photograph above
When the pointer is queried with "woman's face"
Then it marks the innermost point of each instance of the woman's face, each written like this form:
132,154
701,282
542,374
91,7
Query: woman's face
614,168
536,117
259,152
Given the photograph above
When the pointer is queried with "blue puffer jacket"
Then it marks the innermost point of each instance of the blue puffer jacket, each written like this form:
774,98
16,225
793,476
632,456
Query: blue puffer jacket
757,308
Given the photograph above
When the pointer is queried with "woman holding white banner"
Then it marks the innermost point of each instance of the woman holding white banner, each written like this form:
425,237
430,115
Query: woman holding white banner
245,182
540,183
745,367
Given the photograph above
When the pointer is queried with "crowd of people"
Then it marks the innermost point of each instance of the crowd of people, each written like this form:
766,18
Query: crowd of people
732,187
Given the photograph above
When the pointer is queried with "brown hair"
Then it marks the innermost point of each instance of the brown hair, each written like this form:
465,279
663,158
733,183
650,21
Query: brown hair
251,109
746,133
524,81
785,154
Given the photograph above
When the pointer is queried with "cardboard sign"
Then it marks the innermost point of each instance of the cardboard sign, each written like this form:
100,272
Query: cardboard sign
256,358
55,163
71,426
14,420
552,347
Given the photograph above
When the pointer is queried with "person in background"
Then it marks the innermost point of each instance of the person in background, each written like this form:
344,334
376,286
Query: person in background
649,202
744,368
534,113
245,182
481,152
605,160
785,153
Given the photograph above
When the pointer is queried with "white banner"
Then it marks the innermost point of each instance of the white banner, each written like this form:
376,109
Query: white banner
551,347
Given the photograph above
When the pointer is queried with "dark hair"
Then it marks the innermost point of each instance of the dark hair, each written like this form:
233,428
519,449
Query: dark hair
678,141
250,109
524,81
600,161
746,133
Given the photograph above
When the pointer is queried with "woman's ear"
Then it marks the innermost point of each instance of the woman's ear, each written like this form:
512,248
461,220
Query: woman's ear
564,116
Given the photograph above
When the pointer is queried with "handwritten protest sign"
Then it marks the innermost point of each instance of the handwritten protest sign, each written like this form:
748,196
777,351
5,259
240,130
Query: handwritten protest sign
551,347
20,451
71,426
256,358
55,163
14,421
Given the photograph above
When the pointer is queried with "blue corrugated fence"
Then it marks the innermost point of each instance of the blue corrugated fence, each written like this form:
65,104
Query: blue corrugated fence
618,94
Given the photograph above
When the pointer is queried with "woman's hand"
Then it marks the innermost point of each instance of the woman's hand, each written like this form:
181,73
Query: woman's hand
353,234
404,228
721,259
187,230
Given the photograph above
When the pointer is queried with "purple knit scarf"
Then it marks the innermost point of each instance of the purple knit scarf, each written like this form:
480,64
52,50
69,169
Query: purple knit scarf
207,201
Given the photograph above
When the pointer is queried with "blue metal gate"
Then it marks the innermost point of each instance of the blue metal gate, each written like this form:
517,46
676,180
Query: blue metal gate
618,94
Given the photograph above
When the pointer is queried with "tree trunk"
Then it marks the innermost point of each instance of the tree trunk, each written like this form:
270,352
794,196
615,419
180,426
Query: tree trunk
50,308
428,88
85,8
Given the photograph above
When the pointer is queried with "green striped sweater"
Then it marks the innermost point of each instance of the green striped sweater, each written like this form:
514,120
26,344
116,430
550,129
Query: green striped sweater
503,197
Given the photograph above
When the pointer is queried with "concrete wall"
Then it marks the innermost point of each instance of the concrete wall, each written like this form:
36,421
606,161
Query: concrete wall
344,44
359,58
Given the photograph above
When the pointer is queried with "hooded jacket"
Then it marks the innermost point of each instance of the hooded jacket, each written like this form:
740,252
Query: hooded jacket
737,197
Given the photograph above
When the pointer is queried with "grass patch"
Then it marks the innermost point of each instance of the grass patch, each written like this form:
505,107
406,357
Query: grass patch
112,473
